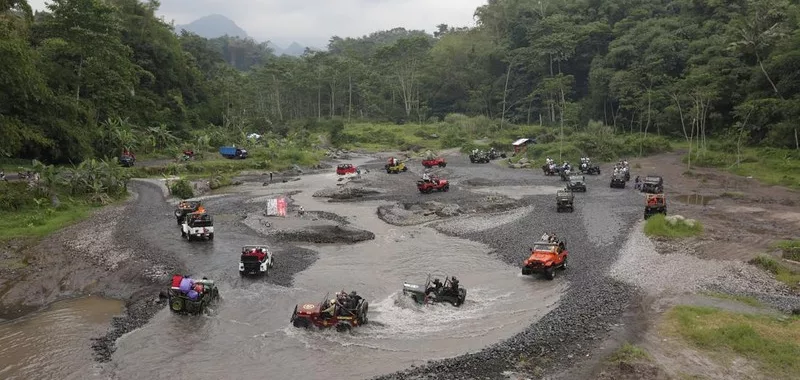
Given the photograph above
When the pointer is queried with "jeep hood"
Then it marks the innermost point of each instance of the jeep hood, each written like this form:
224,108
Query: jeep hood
540,257
308,308
413,287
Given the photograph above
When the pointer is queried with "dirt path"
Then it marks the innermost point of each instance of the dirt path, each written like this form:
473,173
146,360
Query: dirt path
741,216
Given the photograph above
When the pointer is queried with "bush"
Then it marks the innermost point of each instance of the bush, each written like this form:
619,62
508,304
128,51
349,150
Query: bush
219,180
674,226
790,249
181,189
15,196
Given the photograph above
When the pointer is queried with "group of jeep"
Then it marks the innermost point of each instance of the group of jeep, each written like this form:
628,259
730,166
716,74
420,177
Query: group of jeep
479,156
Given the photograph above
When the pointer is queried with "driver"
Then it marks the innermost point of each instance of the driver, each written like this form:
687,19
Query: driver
435,286
330,310
354,298
454,285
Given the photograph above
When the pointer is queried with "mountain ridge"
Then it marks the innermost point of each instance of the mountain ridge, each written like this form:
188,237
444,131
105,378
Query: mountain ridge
217,25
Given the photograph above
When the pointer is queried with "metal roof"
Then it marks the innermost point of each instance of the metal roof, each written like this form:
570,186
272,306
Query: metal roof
520,141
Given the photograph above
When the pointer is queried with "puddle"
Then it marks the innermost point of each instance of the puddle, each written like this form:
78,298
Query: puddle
695,199
55,343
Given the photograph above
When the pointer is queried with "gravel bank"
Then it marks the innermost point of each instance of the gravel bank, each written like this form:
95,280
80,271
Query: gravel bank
640,264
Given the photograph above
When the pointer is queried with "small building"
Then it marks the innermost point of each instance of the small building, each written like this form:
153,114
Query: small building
520,144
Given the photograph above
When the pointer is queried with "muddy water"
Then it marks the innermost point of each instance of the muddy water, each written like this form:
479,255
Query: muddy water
249,333
55,343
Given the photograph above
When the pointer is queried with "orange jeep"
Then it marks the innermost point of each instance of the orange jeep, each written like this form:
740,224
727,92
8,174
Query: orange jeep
546,256
655,204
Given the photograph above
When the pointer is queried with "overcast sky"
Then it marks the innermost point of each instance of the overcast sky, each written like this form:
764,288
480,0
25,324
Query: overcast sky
313,22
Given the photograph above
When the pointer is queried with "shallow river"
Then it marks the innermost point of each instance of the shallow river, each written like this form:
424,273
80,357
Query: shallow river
248,335
55,343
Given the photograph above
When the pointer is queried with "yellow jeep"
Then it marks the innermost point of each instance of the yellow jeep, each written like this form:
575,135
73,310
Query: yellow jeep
400,167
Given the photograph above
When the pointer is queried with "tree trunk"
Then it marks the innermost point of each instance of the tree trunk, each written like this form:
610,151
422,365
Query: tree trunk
350,95
277,98
505,92
563,106
78,88
761,65
647,125
683,125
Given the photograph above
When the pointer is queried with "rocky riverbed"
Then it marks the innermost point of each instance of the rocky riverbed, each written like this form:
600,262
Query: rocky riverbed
502,210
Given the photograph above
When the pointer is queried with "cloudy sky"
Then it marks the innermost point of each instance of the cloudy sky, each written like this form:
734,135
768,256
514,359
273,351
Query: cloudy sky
313,22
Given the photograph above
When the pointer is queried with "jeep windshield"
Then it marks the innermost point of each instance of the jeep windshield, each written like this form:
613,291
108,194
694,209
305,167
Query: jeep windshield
652,179
201,223
539,247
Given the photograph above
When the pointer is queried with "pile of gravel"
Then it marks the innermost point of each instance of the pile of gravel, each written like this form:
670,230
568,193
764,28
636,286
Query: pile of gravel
476,223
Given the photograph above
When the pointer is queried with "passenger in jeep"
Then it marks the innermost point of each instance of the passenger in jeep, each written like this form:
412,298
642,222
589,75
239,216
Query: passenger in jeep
435,286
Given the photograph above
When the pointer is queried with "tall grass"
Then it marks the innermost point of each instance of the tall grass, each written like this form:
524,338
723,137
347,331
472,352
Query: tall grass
459,131
770,165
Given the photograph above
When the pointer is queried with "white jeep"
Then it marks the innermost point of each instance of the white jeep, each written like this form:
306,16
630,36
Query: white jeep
197,226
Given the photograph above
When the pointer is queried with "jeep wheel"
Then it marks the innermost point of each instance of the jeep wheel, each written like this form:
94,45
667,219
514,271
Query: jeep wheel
176,304
443,164
564,264
446,188
211,236
364,311
549,273
343,327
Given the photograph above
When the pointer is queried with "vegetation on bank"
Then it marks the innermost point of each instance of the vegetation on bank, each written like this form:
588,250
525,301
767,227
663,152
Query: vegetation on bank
771,343
669,227
59,197
782,273
770,165
628,353
790,249
747,300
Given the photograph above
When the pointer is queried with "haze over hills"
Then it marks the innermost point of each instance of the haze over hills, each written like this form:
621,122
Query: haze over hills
213,26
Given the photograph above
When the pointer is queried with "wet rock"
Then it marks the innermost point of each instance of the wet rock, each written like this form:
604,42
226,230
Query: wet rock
326,235
346,192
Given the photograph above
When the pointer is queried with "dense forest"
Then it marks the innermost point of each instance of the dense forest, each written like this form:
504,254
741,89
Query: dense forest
87,77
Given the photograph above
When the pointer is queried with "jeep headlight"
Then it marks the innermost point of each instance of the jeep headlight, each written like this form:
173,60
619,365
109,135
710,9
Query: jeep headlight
241,267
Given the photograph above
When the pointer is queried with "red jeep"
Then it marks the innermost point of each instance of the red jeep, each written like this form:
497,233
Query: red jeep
546,256
434,184
343,169
438,161
346,312
255,259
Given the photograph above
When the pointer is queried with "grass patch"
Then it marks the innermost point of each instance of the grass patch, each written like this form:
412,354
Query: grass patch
769,165
781,272
628,353
790,249
772,343
659,225
747,300
41,221
260,158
